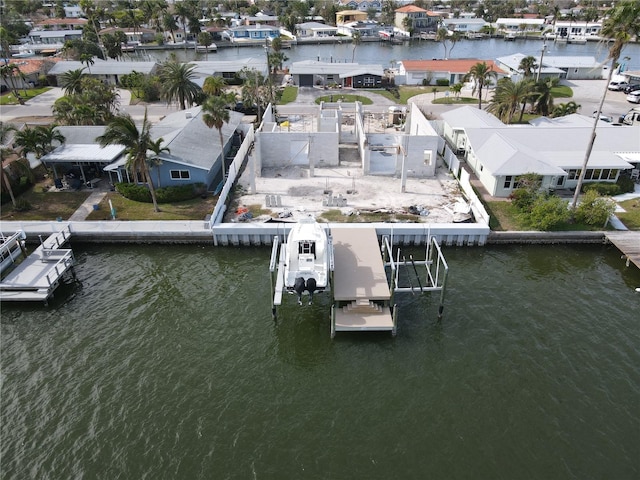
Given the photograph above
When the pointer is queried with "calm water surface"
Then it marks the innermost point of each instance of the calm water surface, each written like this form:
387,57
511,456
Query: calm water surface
165,363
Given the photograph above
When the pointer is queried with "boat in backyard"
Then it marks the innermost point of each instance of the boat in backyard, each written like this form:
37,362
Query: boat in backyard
307,257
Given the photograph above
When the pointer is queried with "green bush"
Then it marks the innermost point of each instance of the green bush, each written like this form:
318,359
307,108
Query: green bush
442,82
547,212
593,209
523,198
425,82
625,183
602,189
140,193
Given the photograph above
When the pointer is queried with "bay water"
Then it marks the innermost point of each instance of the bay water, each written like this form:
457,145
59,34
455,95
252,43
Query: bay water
165,362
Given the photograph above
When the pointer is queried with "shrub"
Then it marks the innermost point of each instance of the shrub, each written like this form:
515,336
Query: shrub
603,188
442,82
425,82
547,212
593,209
141,193
625,183
523,198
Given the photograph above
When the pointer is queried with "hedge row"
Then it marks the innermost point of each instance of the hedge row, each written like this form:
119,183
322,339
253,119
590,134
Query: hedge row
141,193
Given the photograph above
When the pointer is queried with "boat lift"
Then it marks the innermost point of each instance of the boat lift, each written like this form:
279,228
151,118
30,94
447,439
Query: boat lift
277,269
433,279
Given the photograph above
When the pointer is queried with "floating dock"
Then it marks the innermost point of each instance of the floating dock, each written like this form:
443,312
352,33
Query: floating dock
360,289
39,274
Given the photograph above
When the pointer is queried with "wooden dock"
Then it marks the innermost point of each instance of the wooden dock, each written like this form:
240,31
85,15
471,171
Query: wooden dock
360,290
628,243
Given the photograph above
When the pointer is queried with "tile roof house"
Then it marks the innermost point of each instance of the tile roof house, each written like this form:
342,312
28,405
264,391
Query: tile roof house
417,72
554,148
418,19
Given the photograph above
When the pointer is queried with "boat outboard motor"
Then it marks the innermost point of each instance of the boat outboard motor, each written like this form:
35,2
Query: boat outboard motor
299,287
311,287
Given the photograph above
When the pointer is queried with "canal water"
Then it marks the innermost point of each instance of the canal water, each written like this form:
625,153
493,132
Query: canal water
380,53
164,362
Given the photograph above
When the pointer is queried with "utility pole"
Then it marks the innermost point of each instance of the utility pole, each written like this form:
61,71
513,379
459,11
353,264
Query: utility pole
544,47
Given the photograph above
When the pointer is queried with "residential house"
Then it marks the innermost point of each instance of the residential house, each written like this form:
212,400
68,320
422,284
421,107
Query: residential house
362,5
554,148
349,16
108,71
464,25
134,35
315,30
195,154
578,28
61,24
30,71
569,67
251,33
53,38
228,69
309,73
519,25
427,72
417,19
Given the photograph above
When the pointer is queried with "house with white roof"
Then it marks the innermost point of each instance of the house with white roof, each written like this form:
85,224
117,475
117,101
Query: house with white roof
464,25
228,69
315,30
515,25
251,33
575,67
109,71
554,148
309,73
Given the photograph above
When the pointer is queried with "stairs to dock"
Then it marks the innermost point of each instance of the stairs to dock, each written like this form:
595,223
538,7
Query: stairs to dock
362,305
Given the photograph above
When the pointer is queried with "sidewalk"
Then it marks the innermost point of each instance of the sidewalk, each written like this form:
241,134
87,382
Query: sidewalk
87,206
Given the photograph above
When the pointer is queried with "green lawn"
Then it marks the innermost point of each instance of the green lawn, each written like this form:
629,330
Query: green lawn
10,99
289,94
46,206
561,91
406,92
455,101
345,98
631,217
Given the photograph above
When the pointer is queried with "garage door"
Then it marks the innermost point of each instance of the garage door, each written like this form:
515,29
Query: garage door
306,80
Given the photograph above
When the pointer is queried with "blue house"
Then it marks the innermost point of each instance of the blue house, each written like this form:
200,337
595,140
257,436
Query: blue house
195,154
251,33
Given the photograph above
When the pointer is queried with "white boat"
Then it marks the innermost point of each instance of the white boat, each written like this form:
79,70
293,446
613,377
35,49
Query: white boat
307,259
577,40
24,54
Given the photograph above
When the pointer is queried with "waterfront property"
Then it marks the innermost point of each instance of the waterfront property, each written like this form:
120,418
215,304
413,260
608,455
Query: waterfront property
553,148
108,71
315,30
229,70
251,33
311,73
428,72
575,67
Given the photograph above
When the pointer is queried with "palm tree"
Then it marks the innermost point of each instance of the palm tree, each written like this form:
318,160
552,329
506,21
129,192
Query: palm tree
8,73
204,38
122,130
169,23
71,81
620,26
481,74
5,151
88,59
544,95
528,65
154,160
216,115
177,83
565,109
356,39
214,86
508,97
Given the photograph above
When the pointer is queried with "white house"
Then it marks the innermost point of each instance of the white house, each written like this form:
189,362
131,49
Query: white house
464,25
315,30
108,71
575,67
553,148
514,25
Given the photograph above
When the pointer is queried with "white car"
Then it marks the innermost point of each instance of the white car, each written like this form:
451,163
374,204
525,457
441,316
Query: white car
634,97
617,86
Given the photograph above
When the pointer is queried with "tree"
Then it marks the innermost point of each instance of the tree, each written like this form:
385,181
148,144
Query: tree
481,74
456,89
8,73
177,83
122,130
71,81
93,104
87,58
564,109
154,160
448,40
38,140
169,23
256,90
214,85
216,115
528,65
112,45
204,38
544,96
356,39
5,152
620,26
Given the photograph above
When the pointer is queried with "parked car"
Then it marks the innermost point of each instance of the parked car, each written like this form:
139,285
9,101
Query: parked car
603,117
634,97
632,88
617,86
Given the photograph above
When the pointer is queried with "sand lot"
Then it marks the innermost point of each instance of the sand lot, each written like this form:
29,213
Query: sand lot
350,192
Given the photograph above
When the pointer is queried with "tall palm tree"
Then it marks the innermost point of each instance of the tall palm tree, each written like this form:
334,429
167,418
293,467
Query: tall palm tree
620,26
214,85
122,130
508,97
5,151
528,65
216,115
481,74
154,160
177,83
544,96
169,23
71,81
356,39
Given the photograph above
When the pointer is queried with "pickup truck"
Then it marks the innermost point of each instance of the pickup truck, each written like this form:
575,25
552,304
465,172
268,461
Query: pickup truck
632,117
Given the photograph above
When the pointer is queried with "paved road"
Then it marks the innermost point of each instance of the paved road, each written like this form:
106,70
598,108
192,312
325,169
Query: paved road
587,93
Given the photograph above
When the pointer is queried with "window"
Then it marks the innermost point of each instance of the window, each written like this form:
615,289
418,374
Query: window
427,157
613,174
573,174
508,182
180,175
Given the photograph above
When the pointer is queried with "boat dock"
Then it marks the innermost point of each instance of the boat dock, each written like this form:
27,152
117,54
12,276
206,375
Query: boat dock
39,274
360,288
628,243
